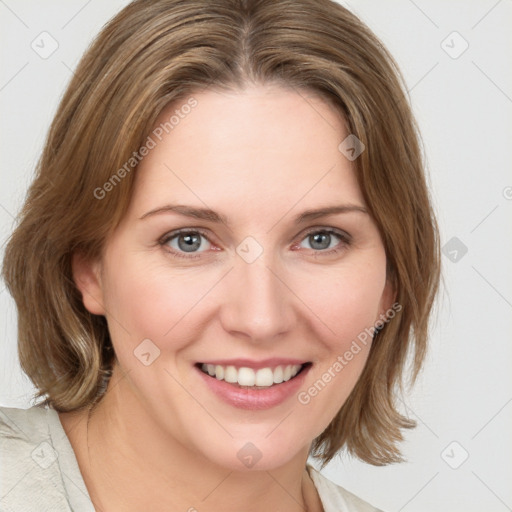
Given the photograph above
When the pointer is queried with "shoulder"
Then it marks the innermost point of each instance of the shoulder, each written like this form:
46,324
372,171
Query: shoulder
30,478
335,498
17,424
21,432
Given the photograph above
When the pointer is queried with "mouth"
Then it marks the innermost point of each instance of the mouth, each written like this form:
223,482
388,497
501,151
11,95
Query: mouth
248,378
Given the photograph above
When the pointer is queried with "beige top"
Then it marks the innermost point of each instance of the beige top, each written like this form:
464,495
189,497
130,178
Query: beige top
39,471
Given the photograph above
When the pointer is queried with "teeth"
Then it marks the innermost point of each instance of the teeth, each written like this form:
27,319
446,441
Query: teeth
219,372
231,375
278,375
264,377
247,377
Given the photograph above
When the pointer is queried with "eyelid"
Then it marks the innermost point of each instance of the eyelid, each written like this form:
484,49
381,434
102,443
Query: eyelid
171,234
331,230
343,235
314,229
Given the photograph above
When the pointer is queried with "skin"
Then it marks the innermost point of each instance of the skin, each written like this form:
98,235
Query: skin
159,439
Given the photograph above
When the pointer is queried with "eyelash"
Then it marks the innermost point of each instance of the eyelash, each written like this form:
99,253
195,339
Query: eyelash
344,237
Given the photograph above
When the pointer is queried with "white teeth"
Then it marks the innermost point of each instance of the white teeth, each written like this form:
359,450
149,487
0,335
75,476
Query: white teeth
278,375
231,375
219,372
246,377
264,377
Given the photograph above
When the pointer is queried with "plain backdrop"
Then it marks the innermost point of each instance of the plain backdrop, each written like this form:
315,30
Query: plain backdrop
456,59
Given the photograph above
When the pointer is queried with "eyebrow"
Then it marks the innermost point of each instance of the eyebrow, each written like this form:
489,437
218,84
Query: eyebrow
213,216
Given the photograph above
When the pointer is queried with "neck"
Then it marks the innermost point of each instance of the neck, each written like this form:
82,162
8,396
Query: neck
129,462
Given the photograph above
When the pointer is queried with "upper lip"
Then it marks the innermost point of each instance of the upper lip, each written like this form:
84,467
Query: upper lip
256,365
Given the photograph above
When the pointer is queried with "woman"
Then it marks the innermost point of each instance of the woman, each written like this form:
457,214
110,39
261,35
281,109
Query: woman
221,266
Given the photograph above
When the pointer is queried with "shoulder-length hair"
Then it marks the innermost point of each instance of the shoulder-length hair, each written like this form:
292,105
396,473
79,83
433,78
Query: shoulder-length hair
161,51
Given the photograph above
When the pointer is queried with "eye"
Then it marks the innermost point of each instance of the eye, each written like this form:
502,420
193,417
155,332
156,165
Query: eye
327,239
191,243
186,243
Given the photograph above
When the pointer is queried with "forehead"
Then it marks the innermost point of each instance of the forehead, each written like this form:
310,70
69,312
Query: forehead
247,149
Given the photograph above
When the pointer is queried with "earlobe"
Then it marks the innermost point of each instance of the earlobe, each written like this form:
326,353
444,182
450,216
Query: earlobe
87,278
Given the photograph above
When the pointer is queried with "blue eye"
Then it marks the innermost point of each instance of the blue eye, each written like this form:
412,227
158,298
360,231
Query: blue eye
186,242
319,240
326,241
191,243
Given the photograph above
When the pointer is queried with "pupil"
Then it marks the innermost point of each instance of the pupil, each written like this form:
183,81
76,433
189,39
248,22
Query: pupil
190,242
321,239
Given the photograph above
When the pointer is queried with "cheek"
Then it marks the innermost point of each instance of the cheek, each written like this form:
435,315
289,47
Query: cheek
147,301
348,305
347,300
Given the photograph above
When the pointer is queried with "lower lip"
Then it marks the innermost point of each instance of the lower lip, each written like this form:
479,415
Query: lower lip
254,399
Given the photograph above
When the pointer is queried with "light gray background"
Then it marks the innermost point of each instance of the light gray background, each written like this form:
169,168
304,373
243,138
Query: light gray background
464,108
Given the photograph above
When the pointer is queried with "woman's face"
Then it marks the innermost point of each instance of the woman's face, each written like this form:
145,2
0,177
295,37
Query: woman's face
265,282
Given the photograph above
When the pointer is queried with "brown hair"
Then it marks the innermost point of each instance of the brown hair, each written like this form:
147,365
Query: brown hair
161,51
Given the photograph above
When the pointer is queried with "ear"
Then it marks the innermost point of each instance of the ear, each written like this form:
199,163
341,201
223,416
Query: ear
87,278
387,300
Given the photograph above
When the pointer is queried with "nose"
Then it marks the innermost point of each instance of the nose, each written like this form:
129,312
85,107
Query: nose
257,303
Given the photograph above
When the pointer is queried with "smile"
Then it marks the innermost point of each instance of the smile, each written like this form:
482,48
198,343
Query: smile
249,378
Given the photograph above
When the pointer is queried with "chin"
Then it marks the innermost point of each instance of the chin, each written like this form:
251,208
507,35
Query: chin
253,453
